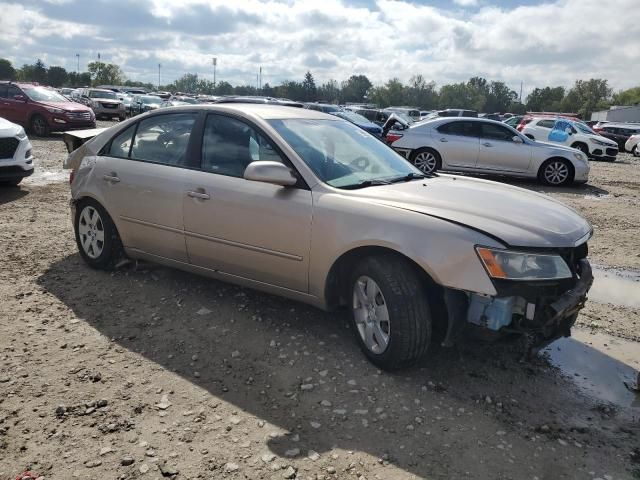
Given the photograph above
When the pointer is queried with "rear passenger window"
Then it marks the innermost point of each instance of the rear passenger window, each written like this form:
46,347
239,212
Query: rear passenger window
230,145
121,143
546,123
464,129
164,139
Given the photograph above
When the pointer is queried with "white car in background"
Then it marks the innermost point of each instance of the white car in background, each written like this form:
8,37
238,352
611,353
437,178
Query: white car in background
581,137
633,145
16,158
486,146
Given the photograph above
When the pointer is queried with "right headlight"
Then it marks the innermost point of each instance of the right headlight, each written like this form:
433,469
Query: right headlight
600,142
512,265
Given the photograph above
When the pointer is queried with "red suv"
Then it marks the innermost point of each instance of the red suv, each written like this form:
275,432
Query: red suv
42,109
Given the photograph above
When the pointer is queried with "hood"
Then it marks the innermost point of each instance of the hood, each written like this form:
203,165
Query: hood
68,106
8,129
553,145
606,140
517,217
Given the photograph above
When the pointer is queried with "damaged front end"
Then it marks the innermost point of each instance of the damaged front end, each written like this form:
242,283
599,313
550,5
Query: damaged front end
538,310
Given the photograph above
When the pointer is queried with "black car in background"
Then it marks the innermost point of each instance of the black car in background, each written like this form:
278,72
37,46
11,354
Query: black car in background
618,132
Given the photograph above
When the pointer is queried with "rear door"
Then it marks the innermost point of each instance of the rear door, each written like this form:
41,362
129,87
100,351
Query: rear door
142,174
458,143
499,152
249,229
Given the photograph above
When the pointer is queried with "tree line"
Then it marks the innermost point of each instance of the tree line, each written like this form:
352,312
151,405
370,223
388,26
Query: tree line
478,93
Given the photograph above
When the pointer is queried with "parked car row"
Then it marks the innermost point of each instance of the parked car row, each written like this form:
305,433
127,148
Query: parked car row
619,133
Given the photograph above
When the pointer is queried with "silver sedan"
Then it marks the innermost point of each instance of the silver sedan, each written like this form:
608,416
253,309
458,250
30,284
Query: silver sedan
485,146
306,205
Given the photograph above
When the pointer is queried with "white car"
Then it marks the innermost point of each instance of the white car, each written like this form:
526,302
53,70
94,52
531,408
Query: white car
581,137
16,158
632,145
486,146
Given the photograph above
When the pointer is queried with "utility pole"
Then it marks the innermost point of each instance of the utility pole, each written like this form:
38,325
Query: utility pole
260,81
78,57
257,82
159,76
215,63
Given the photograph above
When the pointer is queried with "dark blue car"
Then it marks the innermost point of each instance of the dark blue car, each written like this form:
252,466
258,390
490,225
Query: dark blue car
360,121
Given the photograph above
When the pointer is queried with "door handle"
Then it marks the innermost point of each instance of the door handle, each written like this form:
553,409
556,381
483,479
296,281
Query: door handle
443,139
112,177
487,144
201,195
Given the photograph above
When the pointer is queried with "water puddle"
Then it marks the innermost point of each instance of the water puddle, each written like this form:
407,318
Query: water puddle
618,287
41,177
599,365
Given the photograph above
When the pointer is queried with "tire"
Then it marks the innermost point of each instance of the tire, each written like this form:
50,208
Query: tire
582,147
39,126
636,151
92,220
122,118
426,160
556,172
390,311
529,136
14,182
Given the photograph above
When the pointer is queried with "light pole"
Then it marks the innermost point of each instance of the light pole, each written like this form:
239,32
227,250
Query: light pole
159,76
78,57
215,62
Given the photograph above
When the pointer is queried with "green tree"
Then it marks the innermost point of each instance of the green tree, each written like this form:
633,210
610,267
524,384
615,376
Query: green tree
309,87
223,88
57,76
329,92
586,96
355,89
547,99
420,93
7,72
188,83
625,97
105,73
500,98
39,72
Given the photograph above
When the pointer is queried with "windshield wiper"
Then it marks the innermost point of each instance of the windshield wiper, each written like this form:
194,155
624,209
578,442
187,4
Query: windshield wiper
410,176
365,183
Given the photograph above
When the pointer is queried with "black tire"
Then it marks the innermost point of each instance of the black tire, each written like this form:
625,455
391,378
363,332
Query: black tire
14,182
582,147
405,296
111,249
39,126
416,159
545,177
635,151
529,136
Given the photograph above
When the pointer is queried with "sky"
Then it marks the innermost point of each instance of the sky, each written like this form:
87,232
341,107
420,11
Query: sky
539,43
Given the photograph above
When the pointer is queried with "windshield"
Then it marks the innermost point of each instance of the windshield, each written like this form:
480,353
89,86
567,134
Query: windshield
583,128
100,94
150,100
41,94
341,154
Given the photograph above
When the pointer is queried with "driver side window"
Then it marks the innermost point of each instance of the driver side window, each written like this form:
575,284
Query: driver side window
497,132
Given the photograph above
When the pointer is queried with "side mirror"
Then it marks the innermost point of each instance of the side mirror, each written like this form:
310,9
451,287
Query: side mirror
517,139
270,172
20,98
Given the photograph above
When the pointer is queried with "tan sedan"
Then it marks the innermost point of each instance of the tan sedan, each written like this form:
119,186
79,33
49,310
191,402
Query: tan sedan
308,206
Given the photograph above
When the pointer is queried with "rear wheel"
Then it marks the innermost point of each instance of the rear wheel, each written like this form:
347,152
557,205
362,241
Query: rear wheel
96,235
39,126
426,160
391,315
635,151
556,172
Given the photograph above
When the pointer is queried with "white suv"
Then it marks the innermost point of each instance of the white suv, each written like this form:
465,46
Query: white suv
16,159
580,137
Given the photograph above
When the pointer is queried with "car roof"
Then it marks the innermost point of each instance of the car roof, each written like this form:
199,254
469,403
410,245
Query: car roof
264,111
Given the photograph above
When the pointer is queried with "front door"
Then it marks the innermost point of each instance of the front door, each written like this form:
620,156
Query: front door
143,176
499,151
254,230
458,143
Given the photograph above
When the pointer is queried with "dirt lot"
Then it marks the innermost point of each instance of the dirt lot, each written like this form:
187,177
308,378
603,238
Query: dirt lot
152,373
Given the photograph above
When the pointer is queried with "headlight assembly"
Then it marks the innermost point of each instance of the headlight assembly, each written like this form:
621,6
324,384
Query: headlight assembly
600,142
512,265
21,134
54,110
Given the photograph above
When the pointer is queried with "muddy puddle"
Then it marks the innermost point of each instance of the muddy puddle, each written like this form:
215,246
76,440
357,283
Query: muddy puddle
599,365
617,287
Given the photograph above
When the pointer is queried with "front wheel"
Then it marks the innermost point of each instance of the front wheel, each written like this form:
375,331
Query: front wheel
96,235
427,160
39,126
390,311
582,147
636,151
556,172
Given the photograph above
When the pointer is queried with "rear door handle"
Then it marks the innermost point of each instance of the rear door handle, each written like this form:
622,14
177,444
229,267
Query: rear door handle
444,140
201,195
487,144
112,177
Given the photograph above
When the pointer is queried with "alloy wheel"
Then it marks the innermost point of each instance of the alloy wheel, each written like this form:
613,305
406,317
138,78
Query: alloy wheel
91,232
40,126
371,314
426,162
556,173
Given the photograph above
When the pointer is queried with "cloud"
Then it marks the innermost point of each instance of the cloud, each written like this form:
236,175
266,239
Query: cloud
551,43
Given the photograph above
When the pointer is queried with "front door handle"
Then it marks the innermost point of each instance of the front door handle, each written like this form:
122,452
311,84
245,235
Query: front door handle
201,195
487,144
443,139
112,177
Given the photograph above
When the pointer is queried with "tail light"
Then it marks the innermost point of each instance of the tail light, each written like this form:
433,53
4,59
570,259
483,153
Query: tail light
392,137
523,123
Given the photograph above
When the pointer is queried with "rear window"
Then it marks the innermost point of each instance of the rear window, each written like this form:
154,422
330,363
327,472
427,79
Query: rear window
546,123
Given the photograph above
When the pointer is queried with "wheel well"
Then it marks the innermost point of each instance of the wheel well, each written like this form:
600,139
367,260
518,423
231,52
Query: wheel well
572,170
92,199
337,283
575,144
528,135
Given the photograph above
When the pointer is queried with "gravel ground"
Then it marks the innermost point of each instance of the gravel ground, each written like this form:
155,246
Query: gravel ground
148,372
